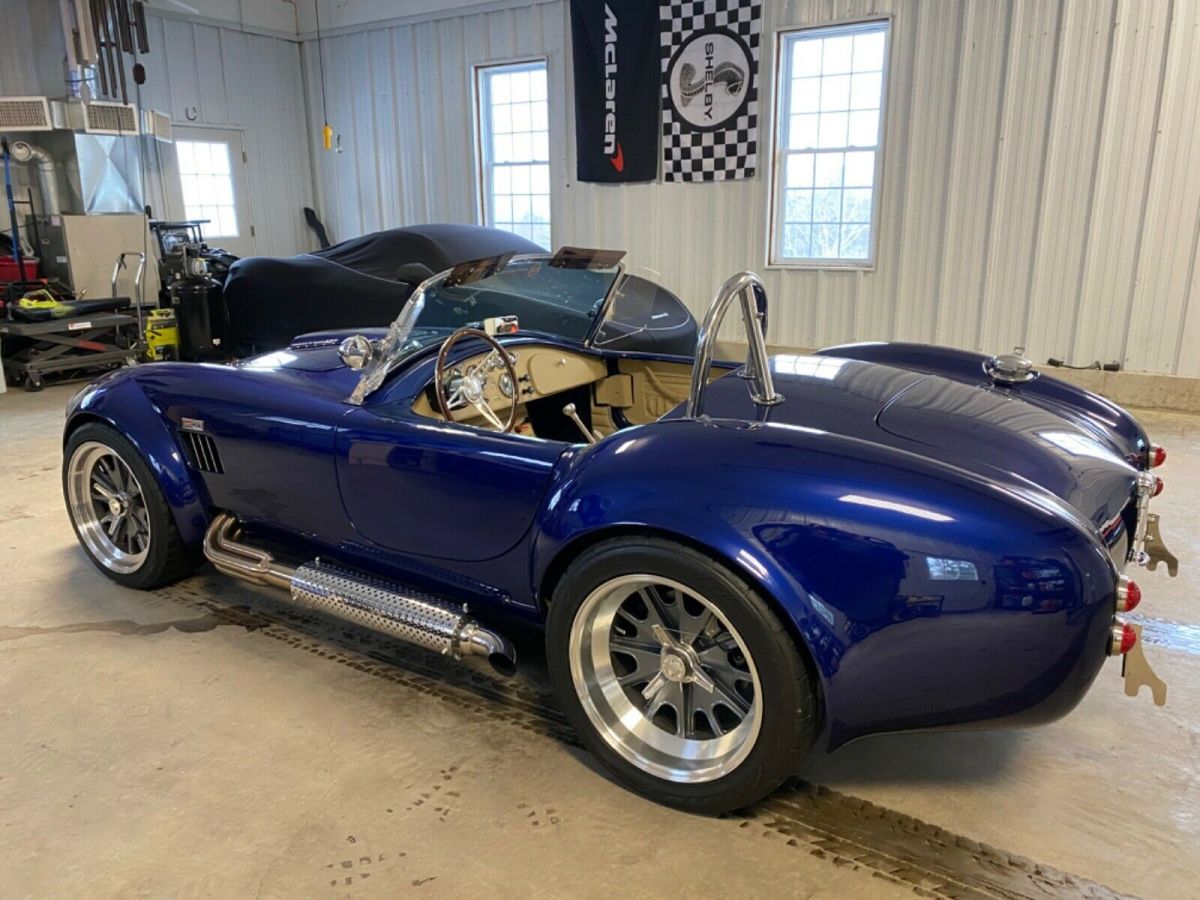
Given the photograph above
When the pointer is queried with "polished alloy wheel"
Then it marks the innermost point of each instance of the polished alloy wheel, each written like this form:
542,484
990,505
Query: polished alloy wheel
108,507
665,678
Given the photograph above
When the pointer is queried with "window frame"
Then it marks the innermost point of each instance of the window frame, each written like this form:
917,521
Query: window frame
213,228
484,163
779,152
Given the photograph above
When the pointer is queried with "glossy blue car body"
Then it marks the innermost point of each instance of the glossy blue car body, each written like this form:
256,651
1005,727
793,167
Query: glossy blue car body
944,549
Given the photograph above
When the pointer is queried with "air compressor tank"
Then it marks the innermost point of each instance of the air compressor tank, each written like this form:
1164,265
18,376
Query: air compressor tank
200,317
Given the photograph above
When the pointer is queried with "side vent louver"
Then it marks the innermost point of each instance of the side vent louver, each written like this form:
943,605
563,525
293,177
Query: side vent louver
203,452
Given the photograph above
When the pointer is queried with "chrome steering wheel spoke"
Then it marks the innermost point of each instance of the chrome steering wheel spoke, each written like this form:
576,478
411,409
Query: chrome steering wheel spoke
481,406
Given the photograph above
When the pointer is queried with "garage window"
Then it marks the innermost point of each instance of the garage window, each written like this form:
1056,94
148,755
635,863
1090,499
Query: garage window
207,181
828,130
514,149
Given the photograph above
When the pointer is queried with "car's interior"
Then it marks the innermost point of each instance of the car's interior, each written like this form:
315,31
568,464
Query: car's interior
603,396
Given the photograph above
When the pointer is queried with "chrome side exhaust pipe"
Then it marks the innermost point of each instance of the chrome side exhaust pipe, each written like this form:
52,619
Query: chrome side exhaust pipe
412,616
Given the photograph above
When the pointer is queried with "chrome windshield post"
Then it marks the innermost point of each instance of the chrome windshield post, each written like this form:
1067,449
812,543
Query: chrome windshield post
749,288
376,370
606,303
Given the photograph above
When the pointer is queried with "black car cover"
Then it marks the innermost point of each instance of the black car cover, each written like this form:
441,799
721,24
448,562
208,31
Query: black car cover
361,282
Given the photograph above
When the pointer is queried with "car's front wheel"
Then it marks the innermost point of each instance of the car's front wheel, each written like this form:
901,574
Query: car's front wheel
118,511
678,676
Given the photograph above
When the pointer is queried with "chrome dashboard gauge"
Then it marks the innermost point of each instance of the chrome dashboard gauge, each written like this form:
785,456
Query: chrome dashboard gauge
506,385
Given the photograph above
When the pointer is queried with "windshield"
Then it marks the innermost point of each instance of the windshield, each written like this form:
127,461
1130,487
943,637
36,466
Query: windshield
560,295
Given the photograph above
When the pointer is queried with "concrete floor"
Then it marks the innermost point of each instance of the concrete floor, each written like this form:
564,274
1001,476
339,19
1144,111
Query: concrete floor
204,740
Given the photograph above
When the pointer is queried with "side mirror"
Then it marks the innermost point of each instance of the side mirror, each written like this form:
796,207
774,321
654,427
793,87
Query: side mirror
356,351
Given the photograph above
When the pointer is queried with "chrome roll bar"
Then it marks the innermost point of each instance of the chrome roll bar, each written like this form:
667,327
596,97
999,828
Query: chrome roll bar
749,288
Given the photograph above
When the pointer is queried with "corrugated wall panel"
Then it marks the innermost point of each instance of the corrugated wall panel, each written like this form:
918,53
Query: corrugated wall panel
1126,150
228,77
1067,197
1166,268
1039,184
210,72
935,84
975,126
1019,174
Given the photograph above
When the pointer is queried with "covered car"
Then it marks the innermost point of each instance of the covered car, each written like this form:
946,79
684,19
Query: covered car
365,281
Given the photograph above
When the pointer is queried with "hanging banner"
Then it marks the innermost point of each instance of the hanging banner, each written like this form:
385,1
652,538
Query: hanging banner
710,51
615,46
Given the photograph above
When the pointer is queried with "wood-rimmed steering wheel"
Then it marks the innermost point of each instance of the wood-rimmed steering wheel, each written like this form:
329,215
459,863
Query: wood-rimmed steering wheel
472,386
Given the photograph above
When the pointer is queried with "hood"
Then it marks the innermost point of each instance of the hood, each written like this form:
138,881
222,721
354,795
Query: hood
989,431
316,351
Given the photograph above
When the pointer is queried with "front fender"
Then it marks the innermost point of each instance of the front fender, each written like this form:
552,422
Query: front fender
925,595
118,400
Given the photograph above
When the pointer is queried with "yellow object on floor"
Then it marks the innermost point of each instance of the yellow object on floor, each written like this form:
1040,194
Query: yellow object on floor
161,335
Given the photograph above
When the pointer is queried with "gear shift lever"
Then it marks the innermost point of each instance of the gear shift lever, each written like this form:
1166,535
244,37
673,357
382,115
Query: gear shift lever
570,413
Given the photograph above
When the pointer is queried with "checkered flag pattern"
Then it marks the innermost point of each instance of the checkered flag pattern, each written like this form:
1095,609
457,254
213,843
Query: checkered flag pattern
730,150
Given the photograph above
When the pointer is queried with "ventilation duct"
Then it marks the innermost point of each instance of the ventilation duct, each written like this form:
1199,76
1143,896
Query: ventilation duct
95,117
156,125
25,152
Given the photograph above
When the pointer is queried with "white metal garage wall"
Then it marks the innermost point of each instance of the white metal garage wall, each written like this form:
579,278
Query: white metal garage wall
231,77
1040,188
253,82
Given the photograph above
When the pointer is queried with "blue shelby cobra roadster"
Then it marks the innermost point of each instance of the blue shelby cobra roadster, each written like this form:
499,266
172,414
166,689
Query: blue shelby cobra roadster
730,562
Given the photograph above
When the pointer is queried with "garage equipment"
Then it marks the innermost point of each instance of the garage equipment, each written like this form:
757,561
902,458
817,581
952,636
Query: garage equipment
179,243
199,306
78,337
17,256
137,282
161,337
77,346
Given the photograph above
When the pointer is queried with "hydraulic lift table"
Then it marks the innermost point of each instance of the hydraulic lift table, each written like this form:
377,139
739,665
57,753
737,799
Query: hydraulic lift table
79,345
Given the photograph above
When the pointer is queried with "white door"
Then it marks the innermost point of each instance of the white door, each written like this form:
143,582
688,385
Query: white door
210,182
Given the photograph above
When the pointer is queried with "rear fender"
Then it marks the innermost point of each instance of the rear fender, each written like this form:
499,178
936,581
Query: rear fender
119,402
843,537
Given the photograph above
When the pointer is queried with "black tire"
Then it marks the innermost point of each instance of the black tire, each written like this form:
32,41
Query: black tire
167,557
787,696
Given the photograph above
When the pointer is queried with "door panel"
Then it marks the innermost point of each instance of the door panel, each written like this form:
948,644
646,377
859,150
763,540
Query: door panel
442,490
207,179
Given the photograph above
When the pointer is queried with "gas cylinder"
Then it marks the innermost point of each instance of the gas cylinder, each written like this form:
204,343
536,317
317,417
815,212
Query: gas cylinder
199,313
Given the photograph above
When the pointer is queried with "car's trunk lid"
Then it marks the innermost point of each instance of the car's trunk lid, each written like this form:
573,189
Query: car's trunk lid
977,427
988,431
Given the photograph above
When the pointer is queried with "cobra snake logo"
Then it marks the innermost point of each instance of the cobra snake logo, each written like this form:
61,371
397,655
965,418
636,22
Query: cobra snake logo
726,73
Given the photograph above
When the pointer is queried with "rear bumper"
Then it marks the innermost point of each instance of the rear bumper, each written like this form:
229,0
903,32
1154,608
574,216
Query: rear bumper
1148,547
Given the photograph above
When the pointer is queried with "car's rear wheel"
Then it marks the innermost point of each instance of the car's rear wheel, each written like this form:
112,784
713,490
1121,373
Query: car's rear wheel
678,675
118,511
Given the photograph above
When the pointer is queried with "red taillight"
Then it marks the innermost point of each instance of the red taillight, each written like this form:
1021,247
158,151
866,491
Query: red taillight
1158,456
1128,638
1158,486
1129,595
1123,639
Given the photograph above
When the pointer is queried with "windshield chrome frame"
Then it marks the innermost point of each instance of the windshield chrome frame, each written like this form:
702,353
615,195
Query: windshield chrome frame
386,357
606,305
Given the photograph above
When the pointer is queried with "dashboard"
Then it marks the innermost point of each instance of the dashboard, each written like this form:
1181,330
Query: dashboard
542,371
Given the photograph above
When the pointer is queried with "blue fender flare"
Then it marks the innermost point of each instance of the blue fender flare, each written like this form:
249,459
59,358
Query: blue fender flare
119,402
